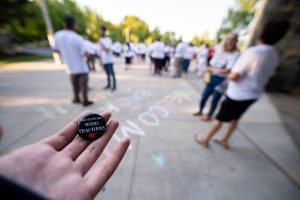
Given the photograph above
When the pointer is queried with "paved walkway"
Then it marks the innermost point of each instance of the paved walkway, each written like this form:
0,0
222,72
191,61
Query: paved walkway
163,162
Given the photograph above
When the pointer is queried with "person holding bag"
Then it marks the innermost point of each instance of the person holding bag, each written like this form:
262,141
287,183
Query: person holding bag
221,63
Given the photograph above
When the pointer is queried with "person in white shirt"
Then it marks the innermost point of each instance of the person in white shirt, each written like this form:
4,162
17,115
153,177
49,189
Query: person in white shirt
73,51
128,54
221,64
168,53
188,55
92,54
179,52
106,57
117,49
247,80
202,60
158,55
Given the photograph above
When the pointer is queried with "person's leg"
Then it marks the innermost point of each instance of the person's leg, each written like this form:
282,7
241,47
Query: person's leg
75,85
230,129
107,75
83,82
215,127
156,66
187,65
216,98
184,64
112,73
176,64
160,65
208,90
180,63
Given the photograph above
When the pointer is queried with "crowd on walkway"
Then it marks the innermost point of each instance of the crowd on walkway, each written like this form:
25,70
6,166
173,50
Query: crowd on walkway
240,78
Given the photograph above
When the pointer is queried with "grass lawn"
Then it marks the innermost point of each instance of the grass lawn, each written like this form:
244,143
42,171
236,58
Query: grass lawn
22,58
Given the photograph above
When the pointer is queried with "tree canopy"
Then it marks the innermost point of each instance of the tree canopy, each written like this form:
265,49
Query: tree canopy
238,17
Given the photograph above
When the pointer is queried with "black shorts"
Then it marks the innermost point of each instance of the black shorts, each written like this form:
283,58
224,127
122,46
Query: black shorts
128,60
232,109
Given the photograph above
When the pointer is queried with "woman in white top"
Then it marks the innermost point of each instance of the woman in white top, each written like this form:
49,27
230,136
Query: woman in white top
221,64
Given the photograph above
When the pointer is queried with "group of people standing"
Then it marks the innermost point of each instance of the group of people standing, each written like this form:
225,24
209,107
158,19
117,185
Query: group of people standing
239,77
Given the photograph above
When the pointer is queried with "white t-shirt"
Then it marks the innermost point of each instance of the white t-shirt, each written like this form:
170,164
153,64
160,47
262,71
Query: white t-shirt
141,48
180,49
223,59
117,47
256,65
71,47
189,52
106,57
158,50
128,53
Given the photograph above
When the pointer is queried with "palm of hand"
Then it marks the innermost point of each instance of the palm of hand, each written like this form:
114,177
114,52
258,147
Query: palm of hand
59,167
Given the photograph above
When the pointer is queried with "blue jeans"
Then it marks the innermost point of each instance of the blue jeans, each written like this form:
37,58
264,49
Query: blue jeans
185,65
109,70
210,90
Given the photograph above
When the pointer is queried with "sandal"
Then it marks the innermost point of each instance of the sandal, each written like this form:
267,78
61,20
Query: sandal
205,144
219,142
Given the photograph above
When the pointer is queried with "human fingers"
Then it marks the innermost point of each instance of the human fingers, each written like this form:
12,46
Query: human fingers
105,170
89,156
77,146
66,135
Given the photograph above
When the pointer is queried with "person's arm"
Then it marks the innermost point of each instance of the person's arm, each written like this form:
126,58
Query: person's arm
233,76
240,67
60,166
106,47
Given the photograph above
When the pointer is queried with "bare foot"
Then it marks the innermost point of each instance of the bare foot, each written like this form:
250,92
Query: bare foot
198,113
222,143
201,141
205,118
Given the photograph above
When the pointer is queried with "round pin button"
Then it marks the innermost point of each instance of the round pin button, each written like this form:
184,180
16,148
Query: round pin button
91,127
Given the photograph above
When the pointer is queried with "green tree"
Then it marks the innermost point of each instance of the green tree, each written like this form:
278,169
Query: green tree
238,17
168,37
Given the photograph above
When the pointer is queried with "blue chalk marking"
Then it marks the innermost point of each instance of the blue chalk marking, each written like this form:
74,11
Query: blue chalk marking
159,160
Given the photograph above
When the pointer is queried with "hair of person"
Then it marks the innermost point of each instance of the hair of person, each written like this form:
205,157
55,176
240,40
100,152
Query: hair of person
103,28
224,42
273,30
69,21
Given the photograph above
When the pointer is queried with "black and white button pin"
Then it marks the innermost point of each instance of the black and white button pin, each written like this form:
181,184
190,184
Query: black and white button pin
91,127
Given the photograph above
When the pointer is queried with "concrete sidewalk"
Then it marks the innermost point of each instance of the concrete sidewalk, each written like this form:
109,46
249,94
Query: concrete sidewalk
163,162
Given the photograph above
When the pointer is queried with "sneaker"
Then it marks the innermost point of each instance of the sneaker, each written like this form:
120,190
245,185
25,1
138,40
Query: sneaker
106,87
113,89
87,103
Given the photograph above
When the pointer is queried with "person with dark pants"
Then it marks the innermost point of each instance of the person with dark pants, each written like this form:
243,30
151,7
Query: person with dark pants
157,53
246,81
188,55
179,52
210,90
221,64
106,57
72,49
79,84
109,70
